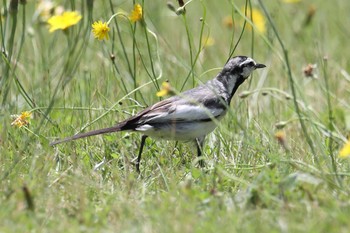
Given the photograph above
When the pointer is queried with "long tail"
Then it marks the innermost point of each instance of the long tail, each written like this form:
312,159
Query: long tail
88,134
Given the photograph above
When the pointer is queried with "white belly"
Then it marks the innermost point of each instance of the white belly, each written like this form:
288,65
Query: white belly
179,132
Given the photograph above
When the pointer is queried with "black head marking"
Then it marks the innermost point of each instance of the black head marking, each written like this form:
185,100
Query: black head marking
241,66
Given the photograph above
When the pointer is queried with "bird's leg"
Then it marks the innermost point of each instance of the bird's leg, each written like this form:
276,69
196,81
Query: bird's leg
199,143
138,160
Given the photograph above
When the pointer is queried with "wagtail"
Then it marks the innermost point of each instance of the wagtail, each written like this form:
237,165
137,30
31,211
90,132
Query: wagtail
188,116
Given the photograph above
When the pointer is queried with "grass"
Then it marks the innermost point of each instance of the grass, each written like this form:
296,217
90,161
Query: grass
272,164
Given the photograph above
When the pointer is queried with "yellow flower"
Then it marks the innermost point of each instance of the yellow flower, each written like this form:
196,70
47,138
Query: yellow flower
165,90
345,151
22,119
64,21
208,41
136,13
227,21
257,19
100,30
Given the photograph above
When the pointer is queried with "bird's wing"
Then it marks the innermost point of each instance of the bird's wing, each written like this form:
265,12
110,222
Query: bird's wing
183,109
177,113
198,104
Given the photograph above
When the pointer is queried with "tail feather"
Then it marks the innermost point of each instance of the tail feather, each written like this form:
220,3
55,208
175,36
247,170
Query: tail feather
88,134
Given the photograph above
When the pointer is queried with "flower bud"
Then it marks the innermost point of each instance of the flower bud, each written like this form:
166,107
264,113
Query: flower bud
244,94
281,124
13,6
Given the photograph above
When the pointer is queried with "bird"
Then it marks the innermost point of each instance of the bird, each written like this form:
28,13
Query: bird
187,116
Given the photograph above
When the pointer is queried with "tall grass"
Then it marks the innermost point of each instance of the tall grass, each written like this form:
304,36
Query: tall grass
272,164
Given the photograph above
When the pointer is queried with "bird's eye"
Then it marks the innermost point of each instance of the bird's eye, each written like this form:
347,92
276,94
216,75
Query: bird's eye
251,64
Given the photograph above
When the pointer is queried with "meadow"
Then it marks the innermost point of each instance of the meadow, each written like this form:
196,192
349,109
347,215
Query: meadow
276,163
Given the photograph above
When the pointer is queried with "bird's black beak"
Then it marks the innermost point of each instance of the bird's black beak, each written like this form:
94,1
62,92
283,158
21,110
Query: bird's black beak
259,66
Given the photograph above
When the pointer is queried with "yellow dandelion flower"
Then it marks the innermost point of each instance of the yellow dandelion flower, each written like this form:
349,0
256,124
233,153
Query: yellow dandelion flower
64,21
22,120
100,30
136,13
208,41
165,90
257,19
345,151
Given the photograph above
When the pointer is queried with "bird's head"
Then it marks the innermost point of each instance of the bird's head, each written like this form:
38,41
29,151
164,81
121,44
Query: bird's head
241,66
235,72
